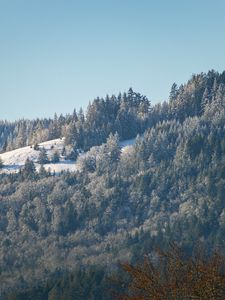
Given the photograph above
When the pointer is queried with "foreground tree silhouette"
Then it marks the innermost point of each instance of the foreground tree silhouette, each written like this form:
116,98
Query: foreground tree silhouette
171,275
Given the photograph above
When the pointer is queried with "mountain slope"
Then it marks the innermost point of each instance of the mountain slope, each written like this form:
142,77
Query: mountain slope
14,160
169,186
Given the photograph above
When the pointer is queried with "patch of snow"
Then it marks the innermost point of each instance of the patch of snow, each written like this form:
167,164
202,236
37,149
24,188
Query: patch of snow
126,146
14,160
126,143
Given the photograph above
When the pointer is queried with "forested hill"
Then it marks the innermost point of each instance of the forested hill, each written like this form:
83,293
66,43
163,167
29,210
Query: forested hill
169,186
127,114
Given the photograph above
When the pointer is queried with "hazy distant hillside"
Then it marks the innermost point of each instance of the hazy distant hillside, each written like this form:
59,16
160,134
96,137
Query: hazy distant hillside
169,185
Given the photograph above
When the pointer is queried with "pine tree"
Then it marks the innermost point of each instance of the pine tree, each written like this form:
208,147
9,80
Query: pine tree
71,134
75,117
4,148
81,116
42,172
55,157
205,104
21,136
73,154
43,158
1,163
113,148
173,92
29,170
54,129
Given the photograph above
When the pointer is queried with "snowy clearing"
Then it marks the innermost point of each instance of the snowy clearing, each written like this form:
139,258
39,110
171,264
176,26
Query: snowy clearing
14,160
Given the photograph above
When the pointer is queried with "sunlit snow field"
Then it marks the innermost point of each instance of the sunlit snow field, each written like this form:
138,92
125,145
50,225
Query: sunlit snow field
14,160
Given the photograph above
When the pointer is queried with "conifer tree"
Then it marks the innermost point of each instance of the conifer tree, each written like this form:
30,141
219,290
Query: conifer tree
1,163
29,170
173,92
55,157
73,154
42,172
43,158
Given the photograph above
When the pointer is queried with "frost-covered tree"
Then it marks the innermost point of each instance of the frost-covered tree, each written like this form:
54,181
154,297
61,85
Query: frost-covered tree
1,163
173,92
113,148
42,172
73,154
29,169
43,157
55,157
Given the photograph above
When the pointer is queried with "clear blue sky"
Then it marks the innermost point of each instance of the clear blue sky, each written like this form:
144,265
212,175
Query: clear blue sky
59,55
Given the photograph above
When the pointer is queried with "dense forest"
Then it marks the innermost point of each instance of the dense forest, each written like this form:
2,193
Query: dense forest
169,186
127,114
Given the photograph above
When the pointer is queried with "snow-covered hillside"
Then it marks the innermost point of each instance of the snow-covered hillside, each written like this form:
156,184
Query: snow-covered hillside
14,160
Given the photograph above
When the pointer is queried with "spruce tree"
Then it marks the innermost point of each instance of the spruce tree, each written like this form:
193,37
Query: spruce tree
43,158
42,172
173,92
1,163
73,154
55,157
29,170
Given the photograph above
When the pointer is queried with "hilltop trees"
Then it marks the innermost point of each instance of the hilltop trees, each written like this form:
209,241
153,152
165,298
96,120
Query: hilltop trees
173,92
127,114
21,135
